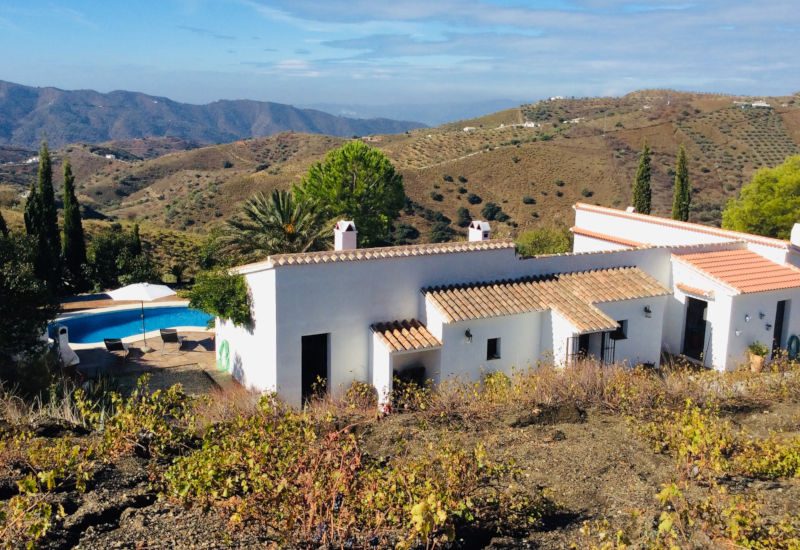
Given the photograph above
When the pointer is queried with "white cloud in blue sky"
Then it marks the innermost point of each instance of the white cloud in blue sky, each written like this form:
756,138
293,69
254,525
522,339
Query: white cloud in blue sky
414,51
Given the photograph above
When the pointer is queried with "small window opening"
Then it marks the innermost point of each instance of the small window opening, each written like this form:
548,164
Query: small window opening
621,333
493,349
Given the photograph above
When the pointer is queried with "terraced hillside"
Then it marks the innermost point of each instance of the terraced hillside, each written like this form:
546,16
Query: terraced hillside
533,162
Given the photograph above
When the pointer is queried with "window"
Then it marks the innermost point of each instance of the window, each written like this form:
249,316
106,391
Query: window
622,331
493,349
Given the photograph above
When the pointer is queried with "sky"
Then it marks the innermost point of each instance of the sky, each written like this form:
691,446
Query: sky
381,52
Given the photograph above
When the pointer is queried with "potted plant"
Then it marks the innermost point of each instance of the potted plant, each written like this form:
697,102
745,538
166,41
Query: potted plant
757,351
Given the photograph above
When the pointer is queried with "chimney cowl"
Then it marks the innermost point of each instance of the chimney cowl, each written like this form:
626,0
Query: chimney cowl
479,230
345,235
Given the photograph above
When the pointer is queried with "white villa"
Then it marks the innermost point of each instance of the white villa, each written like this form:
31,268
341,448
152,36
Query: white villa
633,287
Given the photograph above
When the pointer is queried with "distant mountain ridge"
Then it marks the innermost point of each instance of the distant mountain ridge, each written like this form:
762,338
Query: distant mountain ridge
28,114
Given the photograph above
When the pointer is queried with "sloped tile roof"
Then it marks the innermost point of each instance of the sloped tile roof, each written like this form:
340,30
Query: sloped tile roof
743,270
406,335
380,253
572,295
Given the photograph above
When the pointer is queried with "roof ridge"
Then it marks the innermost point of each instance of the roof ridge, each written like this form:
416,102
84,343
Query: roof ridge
374,253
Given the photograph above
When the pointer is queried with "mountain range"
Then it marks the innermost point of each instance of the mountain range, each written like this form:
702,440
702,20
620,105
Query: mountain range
30,114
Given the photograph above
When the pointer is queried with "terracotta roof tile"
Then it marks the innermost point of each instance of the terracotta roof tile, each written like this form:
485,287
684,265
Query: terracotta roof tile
686,289
362,254
743,270
572,295
410,335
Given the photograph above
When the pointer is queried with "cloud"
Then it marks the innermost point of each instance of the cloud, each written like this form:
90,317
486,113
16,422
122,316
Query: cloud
287,68
207,33
302,51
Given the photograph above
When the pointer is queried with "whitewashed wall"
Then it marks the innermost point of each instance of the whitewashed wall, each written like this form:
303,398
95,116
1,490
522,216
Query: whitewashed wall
519,345
643,344
252,350
584,243
755,330
381,375
641,230
651,231
561,330
345,298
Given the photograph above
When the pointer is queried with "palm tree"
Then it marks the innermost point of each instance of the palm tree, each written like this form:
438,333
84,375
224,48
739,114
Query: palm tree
276,224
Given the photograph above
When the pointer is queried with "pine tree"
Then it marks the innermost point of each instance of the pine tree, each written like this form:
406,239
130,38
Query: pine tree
74,245
3,226
682,192
642,193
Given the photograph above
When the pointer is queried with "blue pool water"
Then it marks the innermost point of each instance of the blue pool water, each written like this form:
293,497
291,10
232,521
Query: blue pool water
94,327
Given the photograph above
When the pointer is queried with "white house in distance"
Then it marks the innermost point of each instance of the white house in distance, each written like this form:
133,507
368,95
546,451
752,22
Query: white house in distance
634,286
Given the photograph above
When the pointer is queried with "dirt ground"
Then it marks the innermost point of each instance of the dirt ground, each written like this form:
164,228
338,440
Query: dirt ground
591,463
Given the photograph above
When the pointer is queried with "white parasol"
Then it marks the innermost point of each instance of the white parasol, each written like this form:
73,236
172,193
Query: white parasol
142,292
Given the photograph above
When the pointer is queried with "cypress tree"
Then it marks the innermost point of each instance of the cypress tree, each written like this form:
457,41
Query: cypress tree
642,193
136,241
3,226
74,245
682,191
32,212
41,222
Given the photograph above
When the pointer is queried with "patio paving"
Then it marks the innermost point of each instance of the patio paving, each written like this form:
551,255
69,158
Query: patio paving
193,366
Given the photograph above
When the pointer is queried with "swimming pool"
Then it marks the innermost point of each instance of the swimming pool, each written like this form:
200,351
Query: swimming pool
94,327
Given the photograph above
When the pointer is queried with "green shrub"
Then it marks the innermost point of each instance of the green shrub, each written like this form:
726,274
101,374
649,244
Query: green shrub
586,192
528,200
463,217
472,198
437,196
547,240
223,295
280,468
490,211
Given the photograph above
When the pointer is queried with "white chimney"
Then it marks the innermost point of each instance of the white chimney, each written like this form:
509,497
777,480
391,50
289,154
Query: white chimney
795,236
344,235
479,230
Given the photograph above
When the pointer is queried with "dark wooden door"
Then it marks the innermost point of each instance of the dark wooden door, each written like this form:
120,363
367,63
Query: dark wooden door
314,364
694,336
777,333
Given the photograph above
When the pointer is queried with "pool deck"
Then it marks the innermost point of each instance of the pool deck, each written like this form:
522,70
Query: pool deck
193,365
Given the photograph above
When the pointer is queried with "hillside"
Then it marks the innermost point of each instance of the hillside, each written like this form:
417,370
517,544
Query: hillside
570,150
28,114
